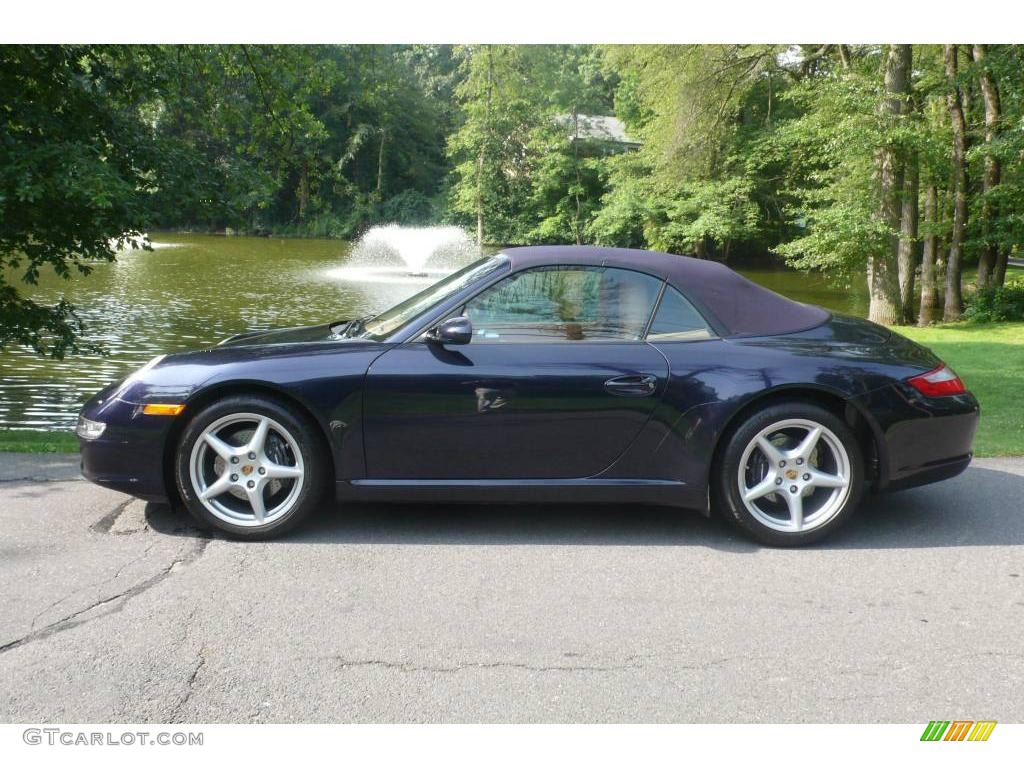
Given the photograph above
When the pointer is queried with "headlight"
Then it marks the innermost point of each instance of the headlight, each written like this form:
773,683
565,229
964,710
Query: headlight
88,429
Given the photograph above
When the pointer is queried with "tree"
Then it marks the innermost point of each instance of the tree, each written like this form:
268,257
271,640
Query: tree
518,174
490,149
954,264
568,181
883,270
841,155
990,256
930,308
697,110
79,164
906,254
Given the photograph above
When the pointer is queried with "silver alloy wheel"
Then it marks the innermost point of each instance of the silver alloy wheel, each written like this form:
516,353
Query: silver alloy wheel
246,469
794,476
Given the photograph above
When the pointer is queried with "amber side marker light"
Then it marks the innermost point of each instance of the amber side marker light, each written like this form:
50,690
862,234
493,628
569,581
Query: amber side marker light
163,409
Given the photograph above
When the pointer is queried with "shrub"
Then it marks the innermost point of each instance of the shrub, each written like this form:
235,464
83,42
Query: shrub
990,305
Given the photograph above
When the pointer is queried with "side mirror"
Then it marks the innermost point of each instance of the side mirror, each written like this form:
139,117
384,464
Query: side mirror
455,330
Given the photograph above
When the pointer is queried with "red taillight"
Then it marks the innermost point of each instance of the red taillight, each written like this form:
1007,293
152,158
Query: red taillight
938,382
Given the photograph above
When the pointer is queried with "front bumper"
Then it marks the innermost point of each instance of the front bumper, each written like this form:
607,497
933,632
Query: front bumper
922,440
130,454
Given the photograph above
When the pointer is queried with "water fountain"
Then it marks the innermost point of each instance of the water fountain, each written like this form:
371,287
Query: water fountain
395,254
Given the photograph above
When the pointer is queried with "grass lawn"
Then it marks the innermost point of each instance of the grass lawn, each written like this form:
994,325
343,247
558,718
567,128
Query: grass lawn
989,358
23,441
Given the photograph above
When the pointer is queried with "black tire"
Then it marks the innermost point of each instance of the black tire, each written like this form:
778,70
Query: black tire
725,481
313,465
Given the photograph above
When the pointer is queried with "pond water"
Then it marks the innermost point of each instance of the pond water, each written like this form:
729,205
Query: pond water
193,290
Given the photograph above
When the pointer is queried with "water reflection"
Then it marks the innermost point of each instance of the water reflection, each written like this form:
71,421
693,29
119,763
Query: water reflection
193,290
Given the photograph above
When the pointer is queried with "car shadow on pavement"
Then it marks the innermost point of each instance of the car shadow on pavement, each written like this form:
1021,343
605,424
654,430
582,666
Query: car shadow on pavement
982,507
491,524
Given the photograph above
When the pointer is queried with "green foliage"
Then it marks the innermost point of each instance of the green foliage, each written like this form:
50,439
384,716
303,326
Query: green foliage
568,181
718,212
686,102
699,111
1006,229
492,164
306,138
78,166
832,143
997,304
410,206
516,165
625,210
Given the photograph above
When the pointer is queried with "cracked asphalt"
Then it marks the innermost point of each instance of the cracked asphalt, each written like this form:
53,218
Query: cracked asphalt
114,610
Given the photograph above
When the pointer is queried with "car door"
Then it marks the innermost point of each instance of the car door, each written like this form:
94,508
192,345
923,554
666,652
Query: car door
556,382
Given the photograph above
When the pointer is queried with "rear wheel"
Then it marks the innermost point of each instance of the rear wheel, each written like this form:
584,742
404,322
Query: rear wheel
790,474
250,467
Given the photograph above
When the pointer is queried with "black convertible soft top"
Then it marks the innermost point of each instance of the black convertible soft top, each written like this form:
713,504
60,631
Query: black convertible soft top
736,305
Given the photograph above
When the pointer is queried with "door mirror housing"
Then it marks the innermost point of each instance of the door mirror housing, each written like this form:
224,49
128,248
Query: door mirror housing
455,330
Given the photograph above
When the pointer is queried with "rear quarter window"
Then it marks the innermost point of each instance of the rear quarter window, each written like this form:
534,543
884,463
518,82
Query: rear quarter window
678,320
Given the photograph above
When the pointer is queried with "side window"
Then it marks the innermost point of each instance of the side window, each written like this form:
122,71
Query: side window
557,304
677,320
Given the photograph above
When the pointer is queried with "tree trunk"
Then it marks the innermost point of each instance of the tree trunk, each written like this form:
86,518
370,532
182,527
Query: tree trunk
954,297
380,164
929,289
990,255
481,159
480,201
941,257
844,56
907,252
883,270
577,225
303,191
999,274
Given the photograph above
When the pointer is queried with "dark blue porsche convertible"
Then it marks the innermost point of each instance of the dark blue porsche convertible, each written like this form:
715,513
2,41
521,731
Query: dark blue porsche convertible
544,374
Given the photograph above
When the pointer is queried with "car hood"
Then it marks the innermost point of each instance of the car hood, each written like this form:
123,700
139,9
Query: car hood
296,335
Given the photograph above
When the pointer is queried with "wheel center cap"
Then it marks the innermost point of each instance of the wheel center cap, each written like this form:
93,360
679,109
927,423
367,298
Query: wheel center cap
247,470
791,474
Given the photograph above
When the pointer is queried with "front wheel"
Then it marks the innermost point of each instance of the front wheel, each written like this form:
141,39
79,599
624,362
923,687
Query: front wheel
250,467
790,474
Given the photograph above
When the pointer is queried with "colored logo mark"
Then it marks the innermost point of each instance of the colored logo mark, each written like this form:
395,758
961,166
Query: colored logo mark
958,730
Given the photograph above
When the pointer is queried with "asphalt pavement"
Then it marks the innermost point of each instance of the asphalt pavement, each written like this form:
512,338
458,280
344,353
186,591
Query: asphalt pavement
115,610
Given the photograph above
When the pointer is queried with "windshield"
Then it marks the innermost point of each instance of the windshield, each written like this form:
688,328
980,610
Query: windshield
400,315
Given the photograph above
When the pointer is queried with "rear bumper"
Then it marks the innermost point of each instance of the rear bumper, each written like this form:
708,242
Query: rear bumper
922,440
926,450
931,473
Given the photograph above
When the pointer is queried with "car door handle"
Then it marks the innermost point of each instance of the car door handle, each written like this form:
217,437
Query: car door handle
632,386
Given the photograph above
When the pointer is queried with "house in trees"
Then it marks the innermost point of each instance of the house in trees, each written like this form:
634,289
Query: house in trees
597,134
